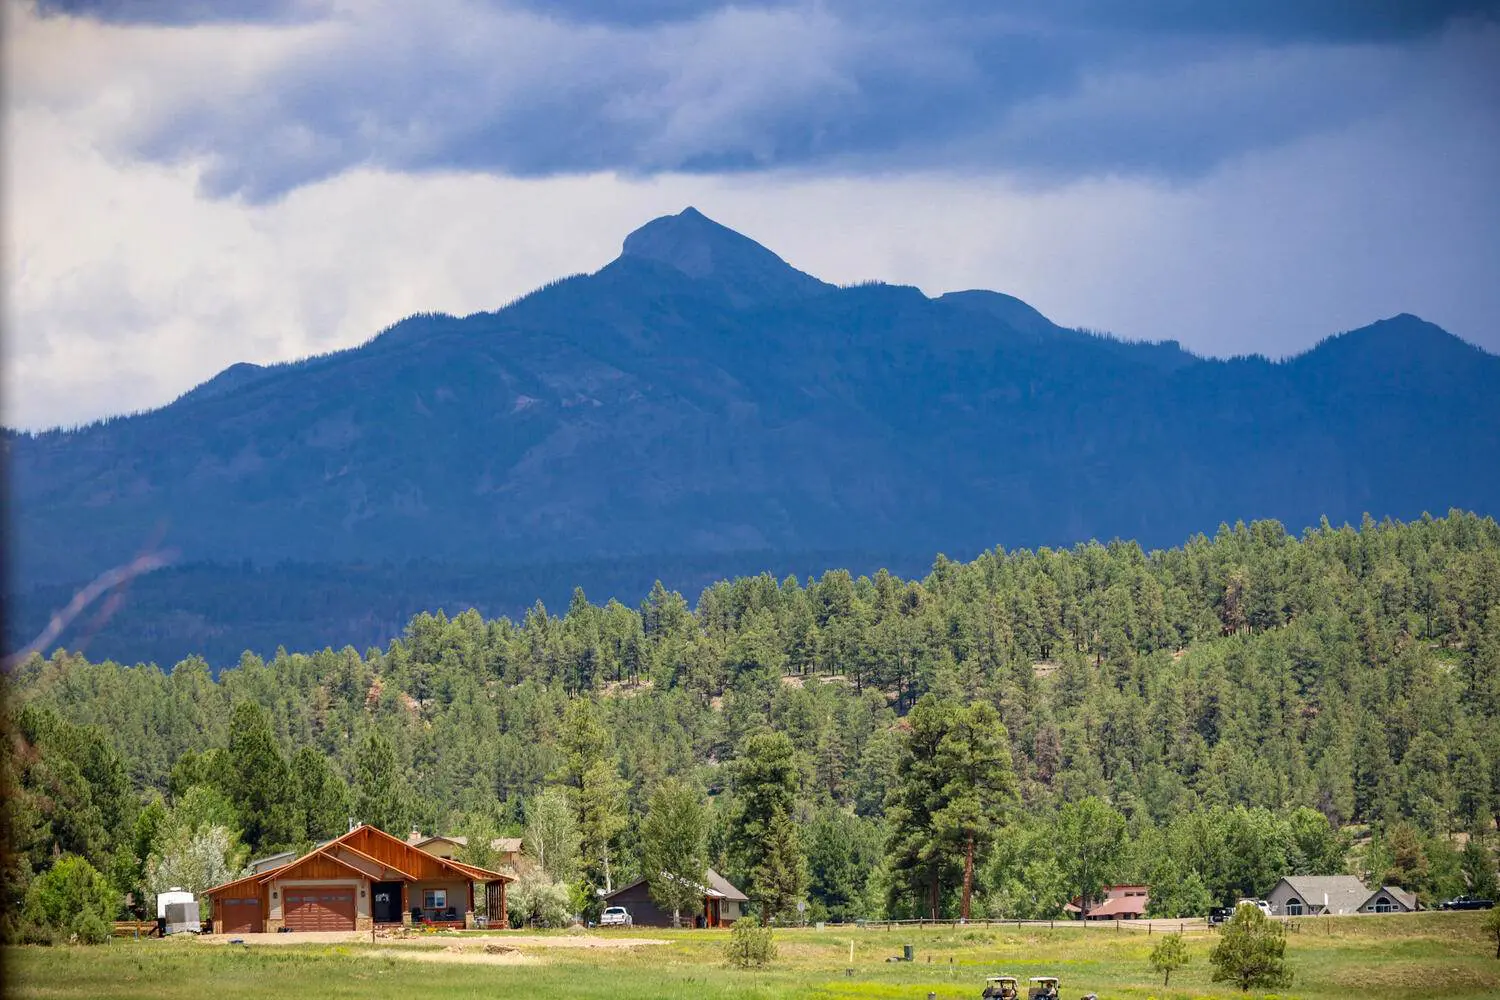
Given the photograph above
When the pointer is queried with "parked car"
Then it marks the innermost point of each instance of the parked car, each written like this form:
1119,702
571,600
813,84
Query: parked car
614,916
1467,903
1259,904
1219,914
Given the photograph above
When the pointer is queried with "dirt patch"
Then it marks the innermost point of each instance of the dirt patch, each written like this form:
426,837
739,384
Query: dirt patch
299,937
465,943
460,956
570,941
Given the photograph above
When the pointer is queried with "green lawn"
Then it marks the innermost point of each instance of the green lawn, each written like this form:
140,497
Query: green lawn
1426,955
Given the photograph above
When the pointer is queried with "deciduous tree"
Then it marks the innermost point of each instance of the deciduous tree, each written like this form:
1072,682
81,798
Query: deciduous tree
674,851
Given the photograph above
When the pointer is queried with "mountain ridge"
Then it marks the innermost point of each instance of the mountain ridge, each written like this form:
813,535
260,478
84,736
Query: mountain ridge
644,410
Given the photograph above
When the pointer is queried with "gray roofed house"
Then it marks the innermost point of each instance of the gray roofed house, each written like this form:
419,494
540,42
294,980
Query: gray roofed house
1389,899
719,884
1330,895
1311,895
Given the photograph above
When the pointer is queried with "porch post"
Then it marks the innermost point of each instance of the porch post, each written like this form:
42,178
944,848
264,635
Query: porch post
504,910
469,912
405,908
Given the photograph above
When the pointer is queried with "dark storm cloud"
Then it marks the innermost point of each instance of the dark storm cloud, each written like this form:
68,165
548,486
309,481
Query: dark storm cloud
181,12
1055,90
1283,19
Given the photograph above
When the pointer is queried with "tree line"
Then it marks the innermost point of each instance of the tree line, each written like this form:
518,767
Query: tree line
996,738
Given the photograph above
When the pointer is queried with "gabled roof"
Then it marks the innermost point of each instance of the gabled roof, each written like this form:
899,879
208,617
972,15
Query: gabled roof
1345,893
505,845
1397,893
417,841
272,857
718,887
472,871
231,884
719,884
342,852
312,857
1119,906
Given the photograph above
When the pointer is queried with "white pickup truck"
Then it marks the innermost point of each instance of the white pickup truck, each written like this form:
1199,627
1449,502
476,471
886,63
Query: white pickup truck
614,916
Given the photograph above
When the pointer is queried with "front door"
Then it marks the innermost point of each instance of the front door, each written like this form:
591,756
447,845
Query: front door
387,902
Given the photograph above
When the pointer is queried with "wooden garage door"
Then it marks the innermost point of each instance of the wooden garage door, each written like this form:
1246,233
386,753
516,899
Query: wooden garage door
240,916
320,909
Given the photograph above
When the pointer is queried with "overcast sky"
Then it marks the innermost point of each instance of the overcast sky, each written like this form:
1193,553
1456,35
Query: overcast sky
191,183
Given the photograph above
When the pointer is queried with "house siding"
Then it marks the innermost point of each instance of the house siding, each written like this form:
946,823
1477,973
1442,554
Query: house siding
1385,901
458,896
643,909
1282,896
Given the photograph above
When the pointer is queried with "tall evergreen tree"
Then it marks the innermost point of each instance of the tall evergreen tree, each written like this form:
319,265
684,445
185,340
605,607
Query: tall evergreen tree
260,782
380,795
764,842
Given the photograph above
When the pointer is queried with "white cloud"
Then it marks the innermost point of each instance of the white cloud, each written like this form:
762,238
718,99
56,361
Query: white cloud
125,284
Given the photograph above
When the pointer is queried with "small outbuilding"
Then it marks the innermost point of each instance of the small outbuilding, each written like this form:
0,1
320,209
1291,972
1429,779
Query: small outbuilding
723,904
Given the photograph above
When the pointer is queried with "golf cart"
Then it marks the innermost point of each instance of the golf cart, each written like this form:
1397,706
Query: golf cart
1043,988
1001,988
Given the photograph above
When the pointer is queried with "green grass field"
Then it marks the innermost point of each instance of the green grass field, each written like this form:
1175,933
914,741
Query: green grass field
1426,955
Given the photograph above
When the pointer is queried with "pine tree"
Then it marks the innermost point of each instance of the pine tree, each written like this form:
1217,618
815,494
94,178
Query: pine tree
763,840
380,796
1251,951
780,876
1169,955
260,783
979,785
322,795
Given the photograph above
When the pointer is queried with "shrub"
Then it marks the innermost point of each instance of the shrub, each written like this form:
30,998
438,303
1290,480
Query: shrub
535,900
1169,955
1491,925
1250,953
71,901
750,944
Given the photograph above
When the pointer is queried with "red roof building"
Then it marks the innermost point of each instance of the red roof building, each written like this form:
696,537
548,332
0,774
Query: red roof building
1118,902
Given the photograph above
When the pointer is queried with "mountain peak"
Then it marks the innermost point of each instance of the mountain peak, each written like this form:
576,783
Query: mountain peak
704,250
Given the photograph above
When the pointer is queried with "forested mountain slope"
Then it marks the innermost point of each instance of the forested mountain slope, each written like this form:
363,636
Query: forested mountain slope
1233,709
699,396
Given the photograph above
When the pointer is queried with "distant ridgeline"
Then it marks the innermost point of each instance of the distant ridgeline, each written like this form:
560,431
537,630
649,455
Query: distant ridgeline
1354,672
699,408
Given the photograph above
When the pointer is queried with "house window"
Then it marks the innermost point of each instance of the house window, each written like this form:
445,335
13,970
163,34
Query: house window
1294,907
1383,905
434,899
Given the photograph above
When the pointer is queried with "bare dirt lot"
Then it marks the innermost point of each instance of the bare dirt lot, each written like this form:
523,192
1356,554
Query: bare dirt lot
463,956
464,943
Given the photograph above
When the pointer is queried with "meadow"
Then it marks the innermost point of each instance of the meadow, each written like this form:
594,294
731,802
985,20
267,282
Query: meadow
1430,954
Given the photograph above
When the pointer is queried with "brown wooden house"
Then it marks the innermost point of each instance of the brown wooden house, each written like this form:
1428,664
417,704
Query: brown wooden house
364,879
